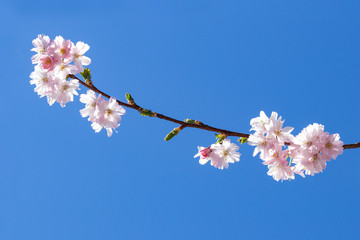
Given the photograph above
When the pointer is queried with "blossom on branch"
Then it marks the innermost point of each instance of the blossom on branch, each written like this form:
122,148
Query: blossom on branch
308,151
220,154
65,91
102,113
270,138
41,44
43,81
53,59
59,60
78,52
313,147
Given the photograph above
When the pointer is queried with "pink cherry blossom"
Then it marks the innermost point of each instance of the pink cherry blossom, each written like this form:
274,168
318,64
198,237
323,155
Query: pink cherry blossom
312,136
280,170
78,52
311,163
332,146
227,153
62,70
43,80
276,154
204,154
53,61
263,144
62,47
260,123
49,61
91,103
219,154
65,91
103,114
313,147
41,43
275,129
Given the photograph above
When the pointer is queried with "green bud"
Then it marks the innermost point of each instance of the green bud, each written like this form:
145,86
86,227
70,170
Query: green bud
198,122
193,121
86,74
243,140
172,134
190,121
129,98
220,137
146,112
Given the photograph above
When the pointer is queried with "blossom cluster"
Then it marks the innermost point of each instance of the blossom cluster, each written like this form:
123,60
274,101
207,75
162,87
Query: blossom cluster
313,147
53,60
102,113
219,154
308,151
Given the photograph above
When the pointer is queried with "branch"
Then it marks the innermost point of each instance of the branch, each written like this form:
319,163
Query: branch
182,123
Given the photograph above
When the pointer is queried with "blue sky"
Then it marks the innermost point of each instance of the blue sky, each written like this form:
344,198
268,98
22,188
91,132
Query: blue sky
220,62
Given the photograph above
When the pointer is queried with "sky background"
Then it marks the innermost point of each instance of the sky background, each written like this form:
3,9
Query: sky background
220,62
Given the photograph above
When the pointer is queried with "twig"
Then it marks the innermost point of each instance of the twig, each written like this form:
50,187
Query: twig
182,123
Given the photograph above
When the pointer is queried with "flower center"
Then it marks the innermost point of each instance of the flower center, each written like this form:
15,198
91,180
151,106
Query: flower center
108,112
315,157
225,153
64,88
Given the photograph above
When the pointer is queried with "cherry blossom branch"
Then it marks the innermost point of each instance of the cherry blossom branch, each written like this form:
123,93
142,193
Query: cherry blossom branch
352,145
182,124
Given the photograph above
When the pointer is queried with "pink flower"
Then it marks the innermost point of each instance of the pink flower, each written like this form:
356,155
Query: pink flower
276,154
259,124
280,170
49,62
313,147
107,115
43,80
275,129
311,163
219,154
78,52
91,102
41,43
332,146
65,91
53,59
312,136
227,152
62,70
62,47
204,154
262,143
269,135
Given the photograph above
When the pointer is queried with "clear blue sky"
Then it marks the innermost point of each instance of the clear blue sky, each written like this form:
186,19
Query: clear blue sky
220,62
